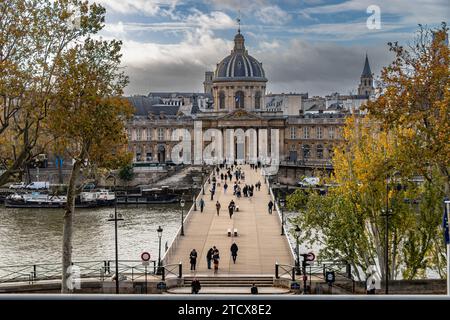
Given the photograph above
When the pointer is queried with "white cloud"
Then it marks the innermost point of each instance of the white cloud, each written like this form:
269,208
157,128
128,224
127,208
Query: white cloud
147,7
273,15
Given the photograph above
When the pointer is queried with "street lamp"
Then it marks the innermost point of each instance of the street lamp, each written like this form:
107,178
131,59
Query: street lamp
115,218
194,186
203,181
182,216
282,202
387,213
160,231
297,236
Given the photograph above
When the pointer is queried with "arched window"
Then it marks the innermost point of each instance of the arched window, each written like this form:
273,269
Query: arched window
221,100
258,100
319,151
239,98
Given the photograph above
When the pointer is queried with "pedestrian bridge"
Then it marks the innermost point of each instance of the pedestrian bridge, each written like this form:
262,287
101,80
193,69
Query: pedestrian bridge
259,238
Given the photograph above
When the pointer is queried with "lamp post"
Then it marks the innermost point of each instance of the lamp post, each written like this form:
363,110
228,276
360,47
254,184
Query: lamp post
387,213
194,185
282,202
182,216
160,231
115,218
297,236
203,181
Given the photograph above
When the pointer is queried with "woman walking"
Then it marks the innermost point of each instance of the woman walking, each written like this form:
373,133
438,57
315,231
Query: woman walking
234,249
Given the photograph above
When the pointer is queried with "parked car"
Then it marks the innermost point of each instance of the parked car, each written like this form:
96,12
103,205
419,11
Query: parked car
18,185
38,185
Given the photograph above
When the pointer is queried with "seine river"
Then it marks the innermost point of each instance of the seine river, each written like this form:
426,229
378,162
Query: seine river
29,236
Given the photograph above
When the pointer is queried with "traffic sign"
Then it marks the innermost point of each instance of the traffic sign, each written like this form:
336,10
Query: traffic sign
145,257
161,285
295,286
330,277
310,257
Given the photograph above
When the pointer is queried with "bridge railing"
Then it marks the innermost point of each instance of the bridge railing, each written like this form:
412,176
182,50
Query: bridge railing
173,245
175,270
284,271
277,209
100,270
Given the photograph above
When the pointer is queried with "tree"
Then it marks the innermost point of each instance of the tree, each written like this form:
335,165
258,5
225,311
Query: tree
33,35
126,173
88,119
414,93
404,135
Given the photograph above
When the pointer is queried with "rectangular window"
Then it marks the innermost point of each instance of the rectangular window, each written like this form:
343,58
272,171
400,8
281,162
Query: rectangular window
331,132
293,130
305,132
319,132
138,134
149,134
160,134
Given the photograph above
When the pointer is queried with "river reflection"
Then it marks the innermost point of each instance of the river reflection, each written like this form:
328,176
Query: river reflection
29,236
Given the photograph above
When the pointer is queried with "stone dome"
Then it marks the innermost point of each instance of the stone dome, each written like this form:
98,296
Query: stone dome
239,65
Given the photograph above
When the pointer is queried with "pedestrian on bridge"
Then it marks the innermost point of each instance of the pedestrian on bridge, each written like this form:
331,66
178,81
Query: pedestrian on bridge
202,205
196,286
216,259
209,257
218,207
225,187
234,249
193,259
270,205
213,190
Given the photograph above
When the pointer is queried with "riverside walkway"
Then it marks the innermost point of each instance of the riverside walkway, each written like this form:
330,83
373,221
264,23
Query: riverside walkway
259,237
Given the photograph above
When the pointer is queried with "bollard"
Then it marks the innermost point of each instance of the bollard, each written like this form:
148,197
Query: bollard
276,271
163,275
34,272
180,270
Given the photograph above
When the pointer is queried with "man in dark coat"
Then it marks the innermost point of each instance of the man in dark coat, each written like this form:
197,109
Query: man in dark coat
234,249
254,289
196,286
270,205
193,259
209,257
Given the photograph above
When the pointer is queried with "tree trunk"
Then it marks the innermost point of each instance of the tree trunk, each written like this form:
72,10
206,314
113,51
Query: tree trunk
68,228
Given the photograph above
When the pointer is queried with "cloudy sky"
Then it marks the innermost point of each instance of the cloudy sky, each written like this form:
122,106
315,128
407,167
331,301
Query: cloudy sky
313,46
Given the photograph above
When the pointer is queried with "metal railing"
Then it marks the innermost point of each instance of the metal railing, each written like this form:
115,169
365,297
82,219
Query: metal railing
176,239
284,271
319,270
277,209
100,270
175,270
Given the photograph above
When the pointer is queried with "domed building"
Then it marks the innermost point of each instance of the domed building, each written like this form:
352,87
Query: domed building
239,81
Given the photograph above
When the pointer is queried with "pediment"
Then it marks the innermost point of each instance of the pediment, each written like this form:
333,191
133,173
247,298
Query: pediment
240,115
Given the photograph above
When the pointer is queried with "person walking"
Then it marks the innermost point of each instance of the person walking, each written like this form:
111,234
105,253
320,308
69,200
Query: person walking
234,249
202,205
196,286
218,207
270,205
216,259
225,187
254,289
193,259
213,190
209,256
231,208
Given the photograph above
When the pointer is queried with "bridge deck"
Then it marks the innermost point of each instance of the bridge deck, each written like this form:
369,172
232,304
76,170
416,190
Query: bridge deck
259,240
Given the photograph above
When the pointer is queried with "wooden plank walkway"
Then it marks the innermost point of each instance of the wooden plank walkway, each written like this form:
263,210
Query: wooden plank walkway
259,240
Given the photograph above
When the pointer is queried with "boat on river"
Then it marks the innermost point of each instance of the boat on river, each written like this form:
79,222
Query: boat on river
44,200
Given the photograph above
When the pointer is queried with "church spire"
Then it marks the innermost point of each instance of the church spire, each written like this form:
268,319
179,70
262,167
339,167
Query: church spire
366,71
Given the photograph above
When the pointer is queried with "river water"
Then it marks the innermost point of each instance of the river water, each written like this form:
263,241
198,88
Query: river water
30,236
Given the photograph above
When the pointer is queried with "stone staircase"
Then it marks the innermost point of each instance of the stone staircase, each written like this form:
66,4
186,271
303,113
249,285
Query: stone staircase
231,281
230,285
